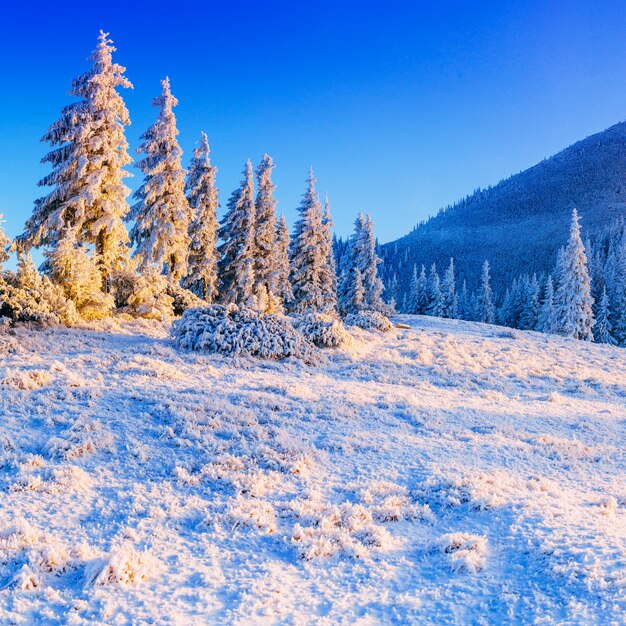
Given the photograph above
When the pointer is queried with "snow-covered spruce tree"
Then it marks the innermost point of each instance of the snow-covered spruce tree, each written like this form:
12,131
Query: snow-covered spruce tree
546,322
265,250
75,271
485,311
162,214
328,280
283,285
203,201
573,294
617,294
414,291
88,157
435,298
603,331
236,263
391,295
309,257
448,293
463,307
530,313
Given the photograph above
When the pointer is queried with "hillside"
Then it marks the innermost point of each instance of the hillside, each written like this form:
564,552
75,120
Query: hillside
519,224
449,473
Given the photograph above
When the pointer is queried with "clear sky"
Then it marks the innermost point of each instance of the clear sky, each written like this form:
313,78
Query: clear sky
400,107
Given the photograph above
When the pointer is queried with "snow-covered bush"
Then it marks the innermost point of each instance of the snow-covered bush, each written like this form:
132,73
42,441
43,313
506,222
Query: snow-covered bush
26,296
325,331
465,551
183,299
369,320
126,566
237,330
143,294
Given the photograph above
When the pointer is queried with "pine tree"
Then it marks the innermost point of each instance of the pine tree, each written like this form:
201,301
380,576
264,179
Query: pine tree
530,313
88,157
448,293
617,295
236,264
308,253
435,298
202,196
463,308
573,294
414,291
328,281
265,234
162,214
485,311
283,285
603,331
546,322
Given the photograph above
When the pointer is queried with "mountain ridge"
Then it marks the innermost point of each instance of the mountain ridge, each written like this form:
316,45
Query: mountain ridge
519,223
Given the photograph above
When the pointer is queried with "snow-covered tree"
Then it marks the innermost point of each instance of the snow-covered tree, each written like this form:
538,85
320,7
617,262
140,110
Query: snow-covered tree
328,280
530,312
603,331
546,322
463,308
309,257
162,214
75,271
282,284
448,293
265,240
203,201
236,264
485,311
573,294
435,298
88,157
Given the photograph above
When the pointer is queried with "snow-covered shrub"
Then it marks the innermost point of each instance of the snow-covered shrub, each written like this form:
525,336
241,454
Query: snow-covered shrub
126,566
252,513
325,331
26,296
348,529
183,299
237,330
369,320
73,269
143,294
466,552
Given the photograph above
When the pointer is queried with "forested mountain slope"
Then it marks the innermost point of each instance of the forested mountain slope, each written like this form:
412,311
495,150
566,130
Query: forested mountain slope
519,224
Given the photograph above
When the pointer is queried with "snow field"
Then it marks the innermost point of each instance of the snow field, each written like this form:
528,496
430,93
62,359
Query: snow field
450,473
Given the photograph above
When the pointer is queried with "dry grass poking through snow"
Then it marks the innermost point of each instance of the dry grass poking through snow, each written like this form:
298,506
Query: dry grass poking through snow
450,473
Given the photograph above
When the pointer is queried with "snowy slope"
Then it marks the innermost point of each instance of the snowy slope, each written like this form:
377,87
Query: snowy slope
453,472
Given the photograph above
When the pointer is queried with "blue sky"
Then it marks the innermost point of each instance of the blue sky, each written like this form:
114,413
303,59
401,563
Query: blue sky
400,107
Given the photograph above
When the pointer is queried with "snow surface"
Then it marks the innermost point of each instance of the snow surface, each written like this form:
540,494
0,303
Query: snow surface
449,473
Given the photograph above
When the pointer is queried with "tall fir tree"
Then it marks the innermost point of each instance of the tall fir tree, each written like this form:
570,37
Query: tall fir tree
265,241
328,279
236,264
435,298
202,196
573,294
88,158
546,322
283,284
162,214
309,260
603,330
485,310
530,312
448,293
